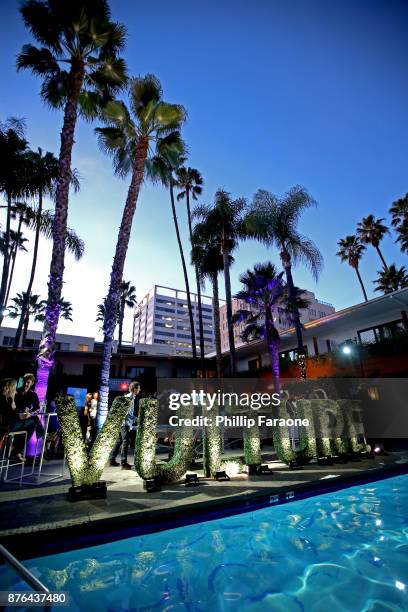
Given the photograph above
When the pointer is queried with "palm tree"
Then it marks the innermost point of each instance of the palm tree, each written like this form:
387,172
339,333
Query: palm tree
190,181
100,315
128,137
207,258
226,219
13,183
263,291
274,220
35,308
371,231
403,236
351,250
65,310
78,61
391,279
17,241
43,174
127,299
161,168
399,220
399,211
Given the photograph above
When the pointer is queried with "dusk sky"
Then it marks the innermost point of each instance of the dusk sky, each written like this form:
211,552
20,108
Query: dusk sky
278,93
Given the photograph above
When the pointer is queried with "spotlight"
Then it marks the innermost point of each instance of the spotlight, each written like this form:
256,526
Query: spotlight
151,485
264,470
325,460
346,350
295,464
222,475
379,449
191,480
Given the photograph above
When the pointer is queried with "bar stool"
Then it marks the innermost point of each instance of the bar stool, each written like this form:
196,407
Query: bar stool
6,462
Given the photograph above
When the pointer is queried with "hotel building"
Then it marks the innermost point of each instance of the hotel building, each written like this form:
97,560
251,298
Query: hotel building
161,318
317,309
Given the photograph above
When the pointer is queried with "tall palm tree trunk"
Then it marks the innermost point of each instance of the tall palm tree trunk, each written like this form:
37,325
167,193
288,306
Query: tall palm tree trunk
198,284
121,317
360,280
272,340
216,312
112,299
291,294
25,327
228,297
32,274
183,262
381,256
13,260
6,261
45,357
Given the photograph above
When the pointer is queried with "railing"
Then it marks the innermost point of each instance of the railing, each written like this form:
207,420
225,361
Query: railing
22,571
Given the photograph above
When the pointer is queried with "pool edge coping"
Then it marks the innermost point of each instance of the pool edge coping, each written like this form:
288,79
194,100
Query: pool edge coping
95,532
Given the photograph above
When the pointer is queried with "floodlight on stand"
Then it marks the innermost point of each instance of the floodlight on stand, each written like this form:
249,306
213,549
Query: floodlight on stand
151,485
221,475
252,469
191,480
295,464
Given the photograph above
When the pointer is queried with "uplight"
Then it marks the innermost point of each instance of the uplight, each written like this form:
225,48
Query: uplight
378,522
400,585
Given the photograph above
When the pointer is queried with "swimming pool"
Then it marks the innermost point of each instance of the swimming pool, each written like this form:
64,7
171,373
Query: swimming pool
342,551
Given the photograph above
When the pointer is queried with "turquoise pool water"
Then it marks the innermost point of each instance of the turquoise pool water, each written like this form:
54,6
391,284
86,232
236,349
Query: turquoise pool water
342,551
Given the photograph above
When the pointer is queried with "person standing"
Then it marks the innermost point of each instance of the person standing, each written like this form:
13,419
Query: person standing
128,424
84,417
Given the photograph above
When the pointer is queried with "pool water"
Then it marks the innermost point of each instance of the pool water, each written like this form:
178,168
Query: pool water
342,551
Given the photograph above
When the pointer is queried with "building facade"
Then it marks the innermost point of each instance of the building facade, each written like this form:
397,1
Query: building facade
317,309
161,318
366,323
64,342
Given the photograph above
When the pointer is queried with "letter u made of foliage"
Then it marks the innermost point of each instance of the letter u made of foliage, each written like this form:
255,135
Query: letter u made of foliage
86,469
145,451
252,444
212,445
281,438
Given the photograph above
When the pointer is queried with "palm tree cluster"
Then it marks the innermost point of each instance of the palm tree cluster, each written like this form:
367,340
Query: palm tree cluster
371,231
78,57
26,179
272,220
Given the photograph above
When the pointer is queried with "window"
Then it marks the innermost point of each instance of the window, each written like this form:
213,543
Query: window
31,343
253,364
312,312
81,347
8,341
381,332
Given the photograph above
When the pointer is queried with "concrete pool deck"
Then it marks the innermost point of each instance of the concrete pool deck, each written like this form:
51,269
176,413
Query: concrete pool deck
42,513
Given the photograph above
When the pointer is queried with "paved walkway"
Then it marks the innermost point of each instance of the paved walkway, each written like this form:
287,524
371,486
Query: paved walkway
34,509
